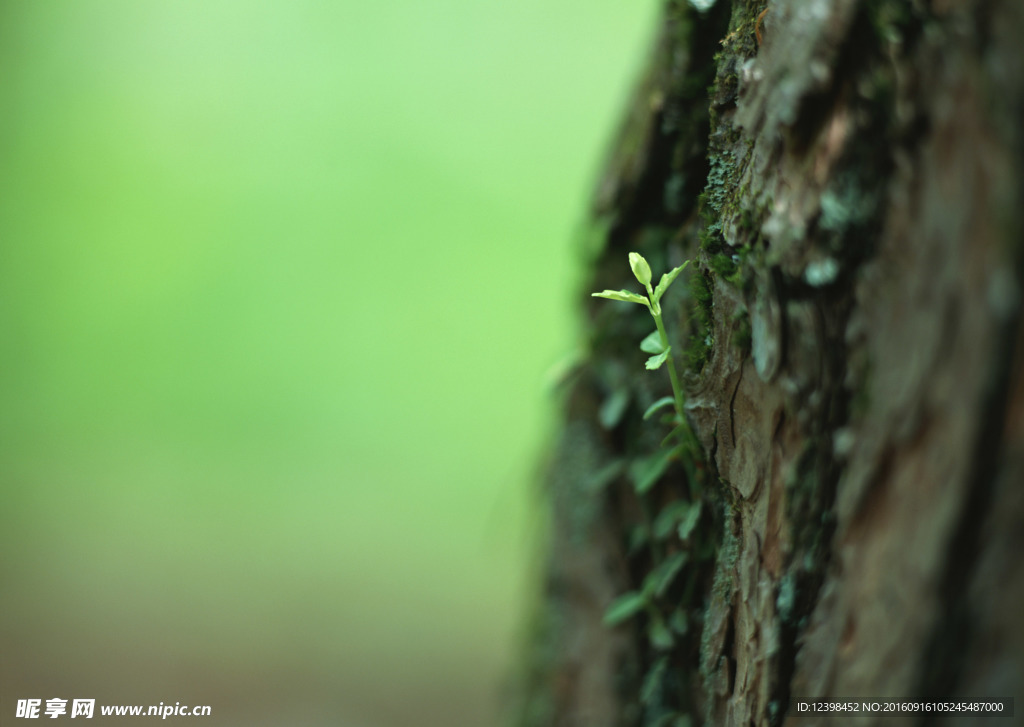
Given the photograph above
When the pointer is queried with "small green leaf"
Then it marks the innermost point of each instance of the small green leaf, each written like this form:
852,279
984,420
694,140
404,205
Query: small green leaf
653,680
639,537
597,481
679,622
669,516
690,521
624,607
652,343
647,471
655,362
659,404
641,269
613,407
659,579
660,635
624,295
666,280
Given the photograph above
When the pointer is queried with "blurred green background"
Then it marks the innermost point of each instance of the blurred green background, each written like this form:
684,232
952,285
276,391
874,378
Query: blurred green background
279,284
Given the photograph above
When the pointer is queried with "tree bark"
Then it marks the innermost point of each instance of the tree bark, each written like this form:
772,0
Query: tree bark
848,179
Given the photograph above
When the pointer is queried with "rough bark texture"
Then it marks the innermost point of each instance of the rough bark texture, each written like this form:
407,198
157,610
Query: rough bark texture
848,178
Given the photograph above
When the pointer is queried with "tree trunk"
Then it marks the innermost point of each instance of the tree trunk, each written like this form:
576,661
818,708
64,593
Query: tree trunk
848,179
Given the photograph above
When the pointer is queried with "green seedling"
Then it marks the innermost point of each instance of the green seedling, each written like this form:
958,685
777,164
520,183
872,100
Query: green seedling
657,342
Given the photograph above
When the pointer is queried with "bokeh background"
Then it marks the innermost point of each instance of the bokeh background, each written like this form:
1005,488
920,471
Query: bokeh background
279,284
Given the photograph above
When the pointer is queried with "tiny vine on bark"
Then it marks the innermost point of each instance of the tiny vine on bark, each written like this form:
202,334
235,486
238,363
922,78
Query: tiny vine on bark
657,343
666,592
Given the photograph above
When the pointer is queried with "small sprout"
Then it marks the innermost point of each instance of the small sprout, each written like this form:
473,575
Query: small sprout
657,342
645,473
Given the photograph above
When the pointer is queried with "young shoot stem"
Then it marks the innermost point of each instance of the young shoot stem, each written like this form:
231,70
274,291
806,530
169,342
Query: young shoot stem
677,390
